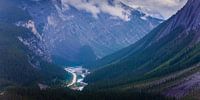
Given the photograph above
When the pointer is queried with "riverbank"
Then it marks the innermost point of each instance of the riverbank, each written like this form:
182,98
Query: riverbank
78,74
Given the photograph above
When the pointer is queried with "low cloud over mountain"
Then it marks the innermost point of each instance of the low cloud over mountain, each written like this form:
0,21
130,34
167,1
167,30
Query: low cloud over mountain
156,8
165,7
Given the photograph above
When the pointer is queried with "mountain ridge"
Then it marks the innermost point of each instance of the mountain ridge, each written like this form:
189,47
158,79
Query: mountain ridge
20,63
157,55
78,28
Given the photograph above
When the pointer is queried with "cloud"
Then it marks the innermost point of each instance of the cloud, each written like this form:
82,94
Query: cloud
165,7
155,8
99,6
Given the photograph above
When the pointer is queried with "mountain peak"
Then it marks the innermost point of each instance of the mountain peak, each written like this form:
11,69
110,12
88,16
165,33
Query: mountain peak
189,16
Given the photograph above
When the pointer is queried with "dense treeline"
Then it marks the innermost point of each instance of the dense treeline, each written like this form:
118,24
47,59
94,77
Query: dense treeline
16,68
20,65
65,94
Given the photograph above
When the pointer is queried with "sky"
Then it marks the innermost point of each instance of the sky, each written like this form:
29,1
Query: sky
165,7
155,8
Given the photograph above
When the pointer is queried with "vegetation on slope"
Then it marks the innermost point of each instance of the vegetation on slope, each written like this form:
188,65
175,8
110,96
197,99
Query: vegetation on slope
16,67
65,94
167,49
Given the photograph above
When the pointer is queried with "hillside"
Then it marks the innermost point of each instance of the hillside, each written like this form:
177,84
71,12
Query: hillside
20,65
170,48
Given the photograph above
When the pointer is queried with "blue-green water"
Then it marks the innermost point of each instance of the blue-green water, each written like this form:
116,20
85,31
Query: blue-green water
68,77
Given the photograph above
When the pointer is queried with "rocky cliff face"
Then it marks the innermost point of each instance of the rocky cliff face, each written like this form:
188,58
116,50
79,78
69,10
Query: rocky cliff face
23,57
66,29
188,17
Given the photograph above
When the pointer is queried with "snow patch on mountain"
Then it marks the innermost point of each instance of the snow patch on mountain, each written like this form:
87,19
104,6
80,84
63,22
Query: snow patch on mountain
35,41
31,26
148,12
65,29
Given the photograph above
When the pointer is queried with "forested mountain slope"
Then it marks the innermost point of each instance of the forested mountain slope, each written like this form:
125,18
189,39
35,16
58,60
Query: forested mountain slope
20,61
170,48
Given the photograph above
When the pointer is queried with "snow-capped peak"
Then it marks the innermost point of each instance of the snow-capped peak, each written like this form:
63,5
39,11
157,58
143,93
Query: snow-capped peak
149,13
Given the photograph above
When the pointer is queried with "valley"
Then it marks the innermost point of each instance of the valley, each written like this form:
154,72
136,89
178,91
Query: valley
99,50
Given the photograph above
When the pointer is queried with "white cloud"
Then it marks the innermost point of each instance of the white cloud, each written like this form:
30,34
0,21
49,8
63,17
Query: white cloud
155,8
165,7
99,6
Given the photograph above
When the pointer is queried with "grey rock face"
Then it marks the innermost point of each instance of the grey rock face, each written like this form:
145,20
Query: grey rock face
65,30
188,17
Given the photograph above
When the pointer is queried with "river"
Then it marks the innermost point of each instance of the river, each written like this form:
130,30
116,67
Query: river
78,74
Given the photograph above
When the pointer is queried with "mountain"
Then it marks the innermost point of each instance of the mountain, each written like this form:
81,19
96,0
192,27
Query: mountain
35,34
166,60
22,62
66,29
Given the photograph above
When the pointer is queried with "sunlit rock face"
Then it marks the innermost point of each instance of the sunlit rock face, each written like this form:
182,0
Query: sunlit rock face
66,27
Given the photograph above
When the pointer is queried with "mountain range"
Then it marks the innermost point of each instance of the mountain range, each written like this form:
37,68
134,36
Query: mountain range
36,45
72,34
140,57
